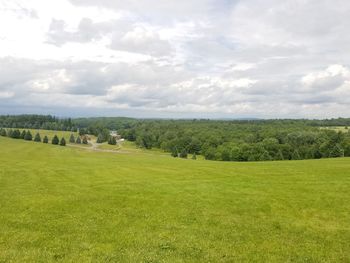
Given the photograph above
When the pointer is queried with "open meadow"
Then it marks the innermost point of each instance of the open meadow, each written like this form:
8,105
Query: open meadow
69,204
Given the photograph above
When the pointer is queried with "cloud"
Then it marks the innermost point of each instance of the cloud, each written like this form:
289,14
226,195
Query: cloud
255,58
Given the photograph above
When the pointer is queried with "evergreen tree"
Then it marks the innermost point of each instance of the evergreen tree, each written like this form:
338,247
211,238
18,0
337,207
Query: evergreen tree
16,134
112,140
194,156
72,139
3,132
55,140
183,154
85,141
63,142
23,134
45,140
99,138
28,136
37,138
78,141
9,133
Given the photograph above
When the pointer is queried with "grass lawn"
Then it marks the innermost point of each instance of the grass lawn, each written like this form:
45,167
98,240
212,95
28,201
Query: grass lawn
65,204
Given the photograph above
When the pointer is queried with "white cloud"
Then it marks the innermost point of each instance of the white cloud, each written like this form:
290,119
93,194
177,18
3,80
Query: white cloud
263,58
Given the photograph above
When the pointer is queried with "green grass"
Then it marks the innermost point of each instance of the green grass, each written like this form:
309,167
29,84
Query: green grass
64,204
337,128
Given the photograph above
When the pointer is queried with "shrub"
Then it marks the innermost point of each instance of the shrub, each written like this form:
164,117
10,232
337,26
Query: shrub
99,138
28,136
16,134
55,140
112,140
183,154
45,140
72,139
23,134
63,142
78,141
174,152
3,132
37,138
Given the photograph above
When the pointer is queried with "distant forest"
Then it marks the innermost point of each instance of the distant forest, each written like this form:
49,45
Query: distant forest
229,140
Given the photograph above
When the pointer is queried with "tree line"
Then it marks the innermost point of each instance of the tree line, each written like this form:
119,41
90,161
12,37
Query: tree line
27,135
225,140
240,140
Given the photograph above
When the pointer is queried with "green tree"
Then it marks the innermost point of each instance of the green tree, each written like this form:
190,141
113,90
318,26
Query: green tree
23,134
174,152
194,156
265,156
225,154
78,141
85,141
183,154
28,136
210,153
99,138
63,142
3,132
112,140
72,139
37,138
296,155
279,155
16,134
55,140
45,140
336,151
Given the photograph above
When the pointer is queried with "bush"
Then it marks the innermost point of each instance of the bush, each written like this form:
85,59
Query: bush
45,140
78,141
336,151
63,142
72,139
99,138
55,140
174,152
183,154
3,132
28,136
112,140
23,134
16,134
37,138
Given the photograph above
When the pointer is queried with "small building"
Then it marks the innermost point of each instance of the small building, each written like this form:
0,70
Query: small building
115,135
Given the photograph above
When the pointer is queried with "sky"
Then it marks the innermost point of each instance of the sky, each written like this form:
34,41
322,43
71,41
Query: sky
176,59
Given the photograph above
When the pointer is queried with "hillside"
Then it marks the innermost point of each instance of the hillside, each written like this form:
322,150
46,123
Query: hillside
69,204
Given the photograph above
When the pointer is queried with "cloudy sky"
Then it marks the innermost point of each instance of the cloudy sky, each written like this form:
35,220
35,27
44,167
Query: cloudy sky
184,58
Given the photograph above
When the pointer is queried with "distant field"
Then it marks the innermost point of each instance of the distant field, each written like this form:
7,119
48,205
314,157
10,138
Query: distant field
337,128
65,204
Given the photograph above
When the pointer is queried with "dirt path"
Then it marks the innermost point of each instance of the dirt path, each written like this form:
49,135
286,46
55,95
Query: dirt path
94,147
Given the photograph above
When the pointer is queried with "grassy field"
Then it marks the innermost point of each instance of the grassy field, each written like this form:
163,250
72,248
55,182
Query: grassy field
337,128
65,204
